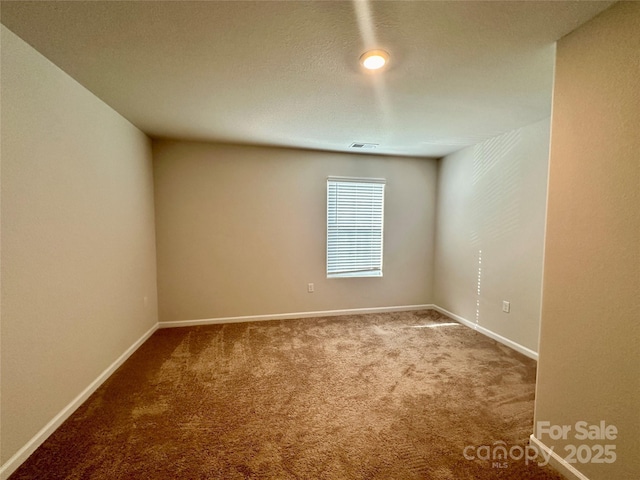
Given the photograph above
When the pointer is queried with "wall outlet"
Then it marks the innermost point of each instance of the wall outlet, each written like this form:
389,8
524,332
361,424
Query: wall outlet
310,287
506,306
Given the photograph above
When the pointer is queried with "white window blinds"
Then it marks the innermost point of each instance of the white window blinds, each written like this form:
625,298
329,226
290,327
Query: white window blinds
355,216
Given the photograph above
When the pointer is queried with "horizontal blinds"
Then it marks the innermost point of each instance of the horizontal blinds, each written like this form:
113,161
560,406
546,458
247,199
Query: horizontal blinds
355,212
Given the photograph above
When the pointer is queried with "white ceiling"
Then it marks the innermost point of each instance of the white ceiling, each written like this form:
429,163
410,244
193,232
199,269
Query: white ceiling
286,73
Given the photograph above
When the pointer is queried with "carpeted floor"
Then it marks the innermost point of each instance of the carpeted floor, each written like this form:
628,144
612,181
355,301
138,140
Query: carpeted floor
381,396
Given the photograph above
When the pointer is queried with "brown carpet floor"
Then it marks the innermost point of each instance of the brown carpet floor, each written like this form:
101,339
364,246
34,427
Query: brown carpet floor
382,396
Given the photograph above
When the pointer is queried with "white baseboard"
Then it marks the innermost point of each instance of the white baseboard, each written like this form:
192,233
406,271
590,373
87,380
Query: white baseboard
21,455
485,331
556,461
287,316
353,311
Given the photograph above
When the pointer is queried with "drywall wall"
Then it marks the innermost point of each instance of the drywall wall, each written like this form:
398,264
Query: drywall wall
242,231
490,232
589,367
78,248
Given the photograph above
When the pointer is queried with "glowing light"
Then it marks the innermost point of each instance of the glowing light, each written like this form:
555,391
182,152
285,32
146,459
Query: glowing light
374,59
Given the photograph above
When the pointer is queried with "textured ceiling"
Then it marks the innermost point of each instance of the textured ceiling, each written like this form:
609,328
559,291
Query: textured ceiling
286,73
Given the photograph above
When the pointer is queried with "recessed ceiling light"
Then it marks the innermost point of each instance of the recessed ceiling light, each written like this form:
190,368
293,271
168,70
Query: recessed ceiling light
374,59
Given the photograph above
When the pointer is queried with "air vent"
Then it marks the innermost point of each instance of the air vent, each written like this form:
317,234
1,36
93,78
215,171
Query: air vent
364,146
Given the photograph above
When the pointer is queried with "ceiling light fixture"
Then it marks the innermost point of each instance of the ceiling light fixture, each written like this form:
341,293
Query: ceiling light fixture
374,59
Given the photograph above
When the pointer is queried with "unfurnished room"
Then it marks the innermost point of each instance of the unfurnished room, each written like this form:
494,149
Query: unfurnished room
349,239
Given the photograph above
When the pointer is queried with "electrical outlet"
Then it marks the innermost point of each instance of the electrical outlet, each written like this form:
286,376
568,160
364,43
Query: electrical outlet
310,287
506,306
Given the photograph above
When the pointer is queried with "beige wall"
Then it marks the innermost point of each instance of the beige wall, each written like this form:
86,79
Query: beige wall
491,209
78,249
242,231
589,366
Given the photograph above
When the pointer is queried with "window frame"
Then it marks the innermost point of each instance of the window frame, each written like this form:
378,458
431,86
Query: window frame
369,262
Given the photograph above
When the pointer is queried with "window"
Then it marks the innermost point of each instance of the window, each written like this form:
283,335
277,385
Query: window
355,217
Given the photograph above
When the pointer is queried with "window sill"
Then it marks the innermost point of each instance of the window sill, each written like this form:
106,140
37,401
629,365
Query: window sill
356,275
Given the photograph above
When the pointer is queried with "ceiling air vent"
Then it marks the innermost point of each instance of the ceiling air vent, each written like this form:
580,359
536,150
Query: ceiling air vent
364,146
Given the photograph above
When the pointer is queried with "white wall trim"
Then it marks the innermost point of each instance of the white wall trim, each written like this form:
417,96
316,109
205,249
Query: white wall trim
485,331
353,311
566,469
287,316
21,455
